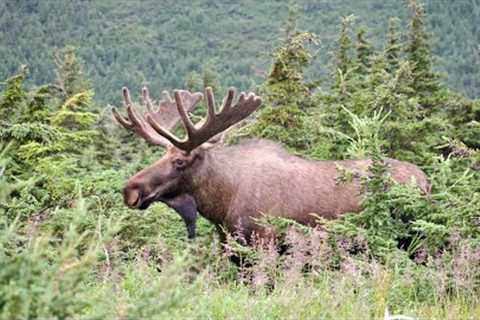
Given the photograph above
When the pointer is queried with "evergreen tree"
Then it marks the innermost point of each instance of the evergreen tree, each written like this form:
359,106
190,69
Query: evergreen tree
393,46
377,73
344,46
285,83
13,96
69,73
345,65
364,51
52,131
210,79
285,92
419,53
193,82
292,19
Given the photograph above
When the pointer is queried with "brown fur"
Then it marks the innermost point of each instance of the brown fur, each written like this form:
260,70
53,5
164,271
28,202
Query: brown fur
232,186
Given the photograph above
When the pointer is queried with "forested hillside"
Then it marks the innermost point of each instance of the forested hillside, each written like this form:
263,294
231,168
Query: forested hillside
70,248
173,43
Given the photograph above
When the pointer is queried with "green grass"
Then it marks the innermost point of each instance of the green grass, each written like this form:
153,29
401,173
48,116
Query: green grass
143,292
86,275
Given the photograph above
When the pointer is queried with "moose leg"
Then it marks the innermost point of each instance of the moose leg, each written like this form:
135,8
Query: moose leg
186,207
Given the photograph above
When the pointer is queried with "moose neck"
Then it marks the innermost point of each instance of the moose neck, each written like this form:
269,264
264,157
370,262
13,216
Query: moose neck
213,185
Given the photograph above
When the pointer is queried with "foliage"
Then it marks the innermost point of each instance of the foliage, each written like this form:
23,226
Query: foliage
70,248
286,93
69,77
40,279
48,135
418,51
137,43
392,46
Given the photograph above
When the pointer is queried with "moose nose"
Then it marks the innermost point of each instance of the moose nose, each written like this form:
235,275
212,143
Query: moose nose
132,197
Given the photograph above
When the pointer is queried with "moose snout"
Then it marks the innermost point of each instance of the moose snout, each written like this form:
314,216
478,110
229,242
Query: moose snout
132,197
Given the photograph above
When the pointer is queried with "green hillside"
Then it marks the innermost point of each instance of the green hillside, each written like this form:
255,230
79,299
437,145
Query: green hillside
164,43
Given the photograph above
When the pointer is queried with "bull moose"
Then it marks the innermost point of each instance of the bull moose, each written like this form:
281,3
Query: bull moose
234,185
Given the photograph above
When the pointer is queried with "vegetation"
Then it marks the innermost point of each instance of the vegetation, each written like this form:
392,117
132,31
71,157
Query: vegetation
70,248
124,42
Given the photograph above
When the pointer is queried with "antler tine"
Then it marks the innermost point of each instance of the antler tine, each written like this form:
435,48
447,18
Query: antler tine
214,124
146,100
126,96
135,122
210,105
227,102
120,119
127,101
167,114
166,117
187,123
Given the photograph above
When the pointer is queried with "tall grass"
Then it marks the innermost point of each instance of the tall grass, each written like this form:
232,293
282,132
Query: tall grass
83,275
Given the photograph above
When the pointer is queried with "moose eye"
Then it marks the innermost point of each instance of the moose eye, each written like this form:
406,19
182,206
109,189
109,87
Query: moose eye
179,163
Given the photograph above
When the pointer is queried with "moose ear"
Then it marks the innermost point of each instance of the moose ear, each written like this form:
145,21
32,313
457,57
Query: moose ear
208,145
215,141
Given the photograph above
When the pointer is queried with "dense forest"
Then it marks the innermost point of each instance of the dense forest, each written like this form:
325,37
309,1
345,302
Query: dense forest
169,44
70,247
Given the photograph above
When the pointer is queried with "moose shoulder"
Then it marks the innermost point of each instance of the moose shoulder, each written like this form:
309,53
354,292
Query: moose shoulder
232,186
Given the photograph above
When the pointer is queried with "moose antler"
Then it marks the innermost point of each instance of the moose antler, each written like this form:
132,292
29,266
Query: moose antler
167,115
215,122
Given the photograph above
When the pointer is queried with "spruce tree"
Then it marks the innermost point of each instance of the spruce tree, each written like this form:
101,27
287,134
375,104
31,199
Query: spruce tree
193,82
286,94
364,51
344,63
285,83
49,126
393,46
69,73
210,78
377,73
76,96
419,52
13,96
344,45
